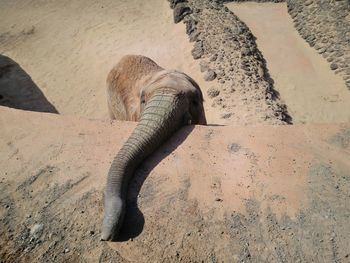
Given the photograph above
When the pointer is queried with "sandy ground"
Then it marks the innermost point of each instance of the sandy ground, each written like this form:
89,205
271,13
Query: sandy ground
266,194
312,92
69,56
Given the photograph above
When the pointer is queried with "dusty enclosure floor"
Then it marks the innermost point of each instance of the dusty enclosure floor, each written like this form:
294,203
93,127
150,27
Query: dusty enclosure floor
310,89
68,56
266,194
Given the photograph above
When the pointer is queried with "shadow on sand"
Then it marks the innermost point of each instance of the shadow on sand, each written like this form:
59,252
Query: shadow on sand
18,90
134,220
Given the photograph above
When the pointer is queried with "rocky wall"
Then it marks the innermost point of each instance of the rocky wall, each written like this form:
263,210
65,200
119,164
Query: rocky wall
228,52
229,55
325,25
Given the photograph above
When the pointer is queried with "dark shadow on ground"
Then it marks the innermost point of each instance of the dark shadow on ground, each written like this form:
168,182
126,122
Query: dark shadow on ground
134,220
18,90
216,125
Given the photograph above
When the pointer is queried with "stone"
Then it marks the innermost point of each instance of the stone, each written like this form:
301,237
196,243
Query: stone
214,57
36,230
246,51
197,51
194,36
310,38
220,72
226,115
294,15
308,2
346,77
317,46
325,55
244,67
203,66
173,3
190,24
180,11
321,50
209,75
325,40
213,92
338,54
334,66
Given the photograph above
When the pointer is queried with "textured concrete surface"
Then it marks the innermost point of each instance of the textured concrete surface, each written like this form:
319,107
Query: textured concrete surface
218,194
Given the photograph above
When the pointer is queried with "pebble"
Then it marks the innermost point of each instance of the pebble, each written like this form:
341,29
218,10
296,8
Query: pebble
209,75
321,50
220,73
197,51
308,2
203,66
334,66
36,230
213,92
180,11
213,57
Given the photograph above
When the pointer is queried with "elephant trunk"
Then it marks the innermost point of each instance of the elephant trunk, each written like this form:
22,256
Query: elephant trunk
162,116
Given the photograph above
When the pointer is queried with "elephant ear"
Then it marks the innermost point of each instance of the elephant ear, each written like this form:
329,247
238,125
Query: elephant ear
196,109
194,83
142,101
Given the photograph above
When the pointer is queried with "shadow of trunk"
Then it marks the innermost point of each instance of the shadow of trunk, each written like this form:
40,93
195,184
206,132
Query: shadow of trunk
18,90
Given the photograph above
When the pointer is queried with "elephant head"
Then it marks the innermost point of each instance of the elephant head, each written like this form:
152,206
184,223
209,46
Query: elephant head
170,100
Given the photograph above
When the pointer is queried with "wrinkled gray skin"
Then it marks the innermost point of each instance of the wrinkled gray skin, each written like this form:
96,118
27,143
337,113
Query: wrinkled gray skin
168,100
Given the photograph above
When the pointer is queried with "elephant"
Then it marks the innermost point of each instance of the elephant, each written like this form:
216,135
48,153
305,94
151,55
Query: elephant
162,101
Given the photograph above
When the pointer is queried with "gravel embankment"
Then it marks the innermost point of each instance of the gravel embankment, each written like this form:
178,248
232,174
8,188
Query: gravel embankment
229,56
325,25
